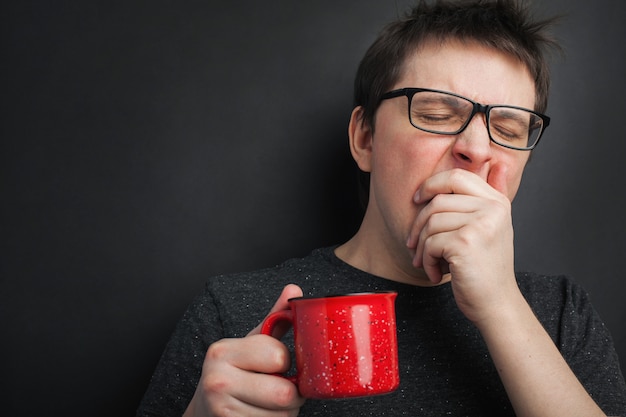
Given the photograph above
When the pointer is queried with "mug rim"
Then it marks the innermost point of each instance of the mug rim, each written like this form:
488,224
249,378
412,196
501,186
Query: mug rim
351,294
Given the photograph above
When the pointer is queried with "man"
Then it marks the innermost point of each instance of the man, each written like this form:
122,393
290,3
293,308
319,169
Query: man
449,104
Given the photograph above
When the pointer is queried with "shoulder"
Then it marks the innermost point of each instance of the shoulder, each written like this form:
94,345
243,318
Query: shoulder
550,291
560,304
247,296
295,270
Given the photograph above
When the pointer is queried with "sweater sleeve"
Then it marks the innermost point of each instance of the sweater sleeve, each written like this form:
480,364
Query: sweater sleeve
588,347
177,374
585,343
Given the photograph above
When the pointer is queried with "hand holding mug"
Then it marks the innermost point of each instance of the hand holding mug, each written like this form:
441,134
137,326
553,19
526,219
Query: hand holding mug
238,375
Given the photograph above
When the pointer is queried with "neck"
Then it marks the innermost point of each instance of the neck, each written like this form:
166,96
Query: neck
382,260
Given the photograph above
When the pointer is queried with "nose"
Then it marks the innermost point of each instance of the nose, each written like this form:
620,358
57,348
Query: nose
472,148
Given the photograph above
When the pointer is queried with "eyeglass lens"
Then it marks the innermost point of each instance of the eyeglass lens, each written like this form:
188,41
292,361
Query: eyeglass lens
447,114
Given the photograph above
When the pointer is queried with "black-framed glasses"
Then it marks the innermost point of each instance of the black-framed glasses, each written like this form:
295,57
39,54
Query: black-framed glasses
447,113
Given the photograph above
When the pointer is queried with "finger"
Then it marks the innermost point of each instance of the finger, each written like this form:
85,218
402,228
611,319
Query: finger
236,407
434,260
249,393
256,353
497,179
239,368
437,223
270,392
455,181
282,303
440,204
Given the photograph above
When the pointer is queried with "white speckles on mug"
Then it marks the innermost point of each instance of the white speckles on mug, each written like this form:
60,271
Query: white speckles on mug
345,345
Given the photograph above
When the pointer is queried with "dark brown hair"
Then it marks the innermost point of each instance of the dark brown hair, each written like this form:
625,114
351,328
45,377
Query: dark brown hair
504,25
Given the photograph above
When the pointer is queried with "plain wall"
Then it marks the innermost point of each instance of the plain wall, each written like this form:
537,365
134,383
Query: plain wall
147,145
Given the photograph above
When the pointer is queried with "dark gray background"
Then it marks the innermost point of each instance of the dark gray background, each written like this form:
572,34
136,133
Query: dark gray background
149,144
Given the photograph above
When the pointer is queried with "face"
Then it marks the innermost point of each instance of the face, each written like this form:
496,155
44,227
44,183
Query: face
400,157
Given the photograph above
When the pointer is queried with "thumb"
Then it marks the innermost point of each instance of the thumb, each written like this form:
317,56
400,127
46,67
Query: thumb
282,303
497,179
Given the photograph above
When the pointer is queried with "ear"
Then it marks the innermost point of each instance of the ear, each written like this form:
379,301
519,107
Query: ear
360,135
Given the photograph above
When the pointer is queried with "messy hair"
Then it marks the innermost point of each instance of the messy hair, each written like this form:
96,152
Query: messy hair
504,25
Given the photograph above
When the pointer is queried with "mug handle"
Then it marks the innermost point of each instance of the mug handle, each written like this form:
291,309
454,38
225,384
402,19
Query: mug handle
268,327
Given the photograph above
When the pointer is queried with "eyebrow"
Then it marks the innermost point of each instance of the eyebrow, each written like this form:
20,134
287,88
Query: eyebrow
450,100
513,114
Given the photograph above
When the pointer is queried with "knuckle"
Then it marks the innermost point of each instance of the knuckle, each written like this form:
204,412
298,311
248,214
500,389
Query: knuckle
229,411
433,220
284,395
501,202
466,236
457,176
217,350
226,410
215,380
214,383
214,391
436,200
491,226
278,357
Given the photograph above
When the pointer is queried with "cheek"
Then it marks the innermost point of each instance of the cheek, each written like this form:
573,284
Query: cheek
407,157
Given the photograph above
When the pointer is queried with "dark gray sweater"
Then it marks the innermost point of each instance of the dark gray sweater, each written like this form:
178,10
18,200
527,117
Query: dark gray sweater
445,368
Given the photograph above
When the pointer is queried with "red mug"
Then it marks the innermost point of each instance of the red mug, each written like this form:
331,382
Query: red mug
345,346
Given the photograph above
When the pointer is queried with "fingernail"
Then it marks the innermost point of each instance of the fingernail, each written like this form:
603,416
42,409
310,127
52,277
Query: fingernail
416,197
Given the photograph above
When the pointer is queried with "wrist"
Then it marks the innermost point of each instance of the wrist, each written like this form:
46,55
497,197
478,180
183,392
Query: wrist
508,311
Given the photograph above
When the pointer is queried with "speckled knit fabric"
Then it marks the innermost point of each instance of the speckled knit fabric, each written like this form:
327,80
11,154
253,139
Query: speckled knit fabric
445,368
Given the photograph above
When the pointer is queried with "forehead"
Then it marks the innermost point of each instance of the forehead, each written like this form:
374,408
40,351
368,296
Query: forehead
469,69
